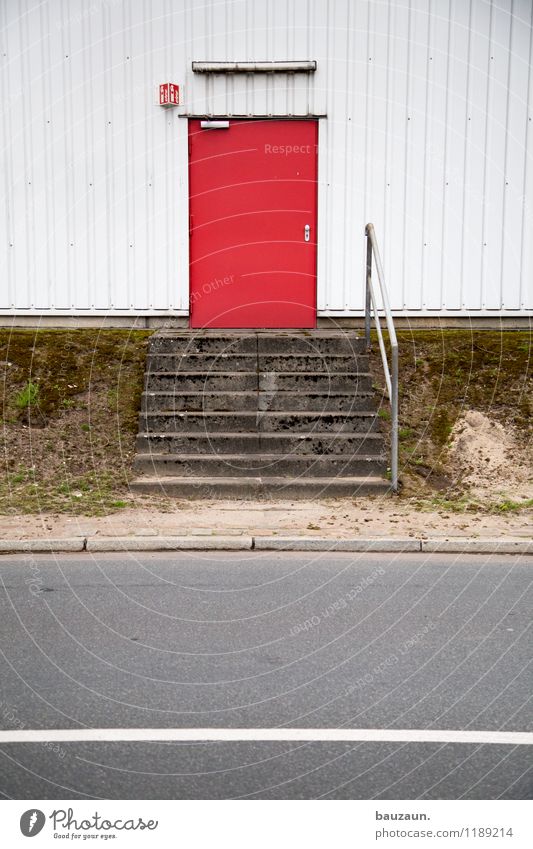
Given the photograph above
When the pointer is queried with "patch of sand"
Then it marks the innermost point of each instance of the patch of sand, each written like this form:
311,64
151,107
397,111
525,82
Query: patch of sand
485,457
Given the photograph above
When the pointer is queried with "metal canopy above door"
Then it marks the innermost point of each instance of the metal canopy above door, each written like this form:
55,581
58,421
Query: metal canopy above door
305,66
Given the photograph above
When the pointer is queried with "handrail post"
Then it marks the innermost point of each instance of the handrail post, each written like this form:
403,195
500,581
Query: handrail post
368,279
394,418
391,376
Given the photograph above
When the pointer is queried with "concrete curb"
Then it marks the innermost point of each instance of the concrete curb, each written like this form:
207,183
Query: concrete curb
478,546
192,543
324,544
457,545
10,546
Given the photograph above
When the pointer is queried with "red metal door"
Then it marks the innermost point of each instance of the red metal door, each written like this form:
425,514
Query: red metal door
253,201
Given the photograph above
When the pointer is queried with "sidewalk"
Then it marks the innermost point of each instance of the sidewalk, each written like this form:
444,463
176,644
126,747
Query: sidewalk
343,524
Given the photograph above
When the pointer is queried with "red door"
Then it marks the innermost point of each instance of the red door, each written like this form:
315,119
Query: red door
253,201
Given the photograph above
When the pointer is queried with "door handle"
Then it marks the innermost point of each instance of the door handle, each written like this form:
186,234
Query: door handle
307,232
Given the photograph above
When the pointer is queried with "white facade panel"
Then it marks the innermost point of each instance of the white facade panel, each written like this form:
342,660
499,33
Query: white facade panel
425,113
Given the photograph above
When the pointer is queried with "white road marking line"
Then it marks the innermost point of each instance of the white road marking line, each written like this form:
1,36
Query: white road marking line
261,735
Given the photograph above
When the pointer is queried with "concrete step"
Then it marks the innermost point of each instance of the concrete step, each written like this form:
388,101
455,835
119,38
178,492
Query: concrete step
239,465
198,401
293,421
202,363
213,342
253,400
271,382
204,383
199,343
313,364
261,487
325,402
228,361
317,342
351,382
269,443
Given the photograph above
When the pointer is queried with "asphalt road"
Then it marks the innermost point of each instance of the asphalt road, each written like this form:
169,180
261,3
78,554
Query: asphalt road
253,640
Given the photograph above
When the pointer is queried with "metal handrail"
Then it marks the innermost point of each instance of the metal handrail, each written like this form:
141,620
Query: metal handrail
391,376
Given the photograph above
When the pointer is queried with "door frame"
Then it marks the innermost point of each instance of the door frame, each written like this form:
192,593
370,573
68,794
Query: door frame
184,267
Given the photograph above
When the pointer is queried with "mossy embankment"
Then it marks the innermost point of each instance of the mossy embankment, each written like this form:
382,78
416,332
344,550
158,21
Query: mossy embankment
69,409
70,404
443,375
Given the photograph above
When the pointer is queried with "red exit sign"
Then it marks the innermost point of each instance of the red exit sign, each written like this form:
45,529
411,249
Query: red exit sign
169,94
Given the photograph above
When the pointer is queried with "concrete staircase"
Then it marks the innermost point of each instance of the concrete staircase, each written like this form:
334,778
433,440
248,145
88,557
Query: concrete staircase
286,414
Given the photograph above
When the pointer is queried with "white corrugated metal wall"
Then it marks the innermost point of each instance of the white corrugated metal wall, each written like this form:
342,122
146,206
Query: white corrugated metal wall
428,134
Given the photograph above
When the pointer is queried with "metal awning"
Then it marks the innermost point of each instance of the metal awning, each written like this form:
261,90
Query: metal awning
287,67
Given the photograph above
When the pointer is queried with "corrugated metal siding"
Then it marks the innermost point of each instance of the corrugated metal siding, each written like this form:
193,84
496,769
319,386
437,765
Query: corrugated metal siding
428,134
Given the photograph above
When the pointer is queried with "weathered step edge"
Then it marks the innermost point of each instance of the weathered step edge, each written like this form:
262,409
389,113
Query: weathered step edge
256,401
246,465
249,364
220,442
259,421
262,342
267,382
256,487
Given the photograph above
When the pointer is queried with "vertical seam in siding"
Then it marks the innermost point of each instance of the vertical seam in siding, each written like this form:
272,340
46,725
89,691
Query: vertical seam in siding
348,185
487,132
165,142
425,189
70,174
29,245
108,144
90,239
506,236
445,160
8,174
47,279
386,195
125,202
527,138
148,64
465,151
406,153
